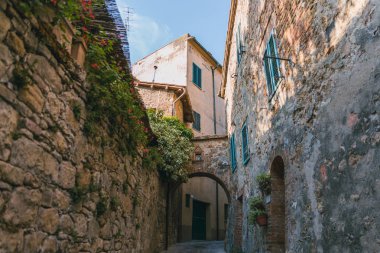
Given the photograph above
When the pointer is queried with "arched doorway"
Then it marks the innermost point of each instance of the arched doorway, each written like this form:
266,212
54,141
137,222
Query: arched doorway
199,209
276,229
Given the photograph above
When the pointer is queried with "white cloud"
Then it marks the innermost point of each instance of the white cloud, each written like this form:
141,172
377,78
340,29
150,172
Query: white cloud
146,35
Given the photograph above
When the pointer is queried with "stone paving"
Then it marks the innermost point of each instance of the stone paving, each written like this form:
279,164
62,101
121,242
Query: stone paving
198,247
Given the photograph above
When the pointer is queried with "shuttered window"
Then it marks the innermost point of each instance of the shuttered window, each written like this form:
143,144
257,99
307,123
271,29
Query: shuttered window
197,121
239,46
245,149
233,152
272,66
197,76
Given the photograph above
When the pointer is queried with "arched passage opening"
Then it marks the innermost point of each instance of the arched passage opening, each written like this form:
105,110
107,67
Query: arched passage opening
198,209
276,229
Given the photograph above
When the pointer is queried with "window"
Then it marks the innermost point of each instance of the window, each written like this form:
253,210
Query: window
245,149
239,46
197,76
187,203
233,152
272,66
225,213
197,121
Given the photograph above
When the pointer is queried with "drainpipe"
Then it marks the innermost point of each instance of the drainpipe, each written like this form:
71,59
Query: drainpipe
217,210
213,96
175,101
154,74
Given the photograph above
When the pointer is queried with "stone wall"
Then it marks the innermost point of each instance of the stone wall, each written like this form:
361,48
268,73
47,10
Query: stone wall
323,122
60,192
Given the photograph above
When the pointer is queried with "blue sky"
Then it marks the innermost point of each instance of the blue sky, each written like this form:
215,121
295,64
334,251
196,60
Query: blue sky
155,23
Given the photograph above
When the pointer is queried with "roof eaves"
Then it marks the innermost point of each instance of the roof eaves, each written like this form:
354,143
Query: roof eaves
231,23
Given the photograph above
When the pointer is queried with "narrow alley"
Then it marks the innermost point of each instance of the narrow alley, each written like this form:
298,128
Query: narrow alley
235,126
197,247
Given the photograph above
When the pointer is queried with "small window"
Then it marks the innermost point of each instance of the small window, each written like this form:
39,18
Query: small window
233,152
245,149
187,200
239,46
225,213
198,154
272,66
197,76
197,121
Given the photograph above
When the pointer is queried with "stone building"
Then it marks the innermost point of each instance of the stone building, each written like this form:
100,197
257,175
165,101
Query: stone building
172,99
199,205
185,62
301,83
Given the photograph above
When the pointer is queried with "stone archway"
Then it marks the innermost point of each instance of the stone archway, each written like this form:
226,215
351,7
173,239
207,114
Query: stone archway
276,228
211,160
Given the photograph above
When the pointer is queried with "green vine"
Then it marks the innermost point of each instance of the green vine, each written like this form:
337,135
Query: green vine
174,145
111,102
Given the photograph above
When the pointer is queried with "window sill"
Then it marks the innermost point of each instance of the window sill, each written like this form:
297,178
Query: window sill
200,88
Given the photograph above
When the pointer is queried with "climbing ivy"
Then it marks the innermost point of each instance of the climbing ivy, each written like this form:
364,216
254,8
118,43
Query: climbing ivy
174,145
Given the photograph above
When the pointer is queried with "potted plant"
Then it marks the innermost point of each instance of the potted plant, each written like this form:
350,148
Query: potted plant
264,182
257,213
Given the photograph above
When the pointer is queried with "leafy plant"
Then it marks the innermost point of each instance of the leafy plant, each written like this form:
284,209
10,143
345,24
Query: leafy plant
256,203
254,214
111,102
21,77
174,145
101,207
125,187
77,194
77,111
114,203
256,208
264,182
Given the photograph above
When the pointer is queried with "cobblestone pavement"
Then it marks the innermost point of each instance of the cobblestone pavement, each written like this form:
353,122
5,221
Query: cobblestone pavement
198,247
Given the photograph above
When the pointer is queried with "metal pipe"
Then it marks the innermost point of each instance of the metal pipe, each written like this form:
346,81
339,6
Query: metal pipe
217,210
278,58
213,96
175,101
154,74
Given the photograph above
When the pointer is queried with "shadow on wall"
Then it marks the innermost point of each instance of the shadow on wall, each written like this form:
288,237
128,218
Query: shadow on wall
322,118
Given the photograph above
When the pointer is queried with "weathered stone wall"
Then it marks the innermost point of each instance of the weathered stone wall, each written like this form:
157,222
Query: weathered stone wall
158,99
214,162
60,192
323,121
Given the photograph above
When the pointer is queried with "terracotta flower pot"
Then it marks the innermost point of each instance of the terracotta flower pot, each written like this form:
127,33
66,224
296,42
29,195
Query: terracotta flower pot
262,220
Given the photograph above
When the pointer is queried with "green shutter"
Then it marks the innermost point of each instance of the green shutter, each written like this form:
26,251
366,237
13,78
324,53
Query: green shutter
233,152
197,121
199,78
274,64
267,73
194,73
245,150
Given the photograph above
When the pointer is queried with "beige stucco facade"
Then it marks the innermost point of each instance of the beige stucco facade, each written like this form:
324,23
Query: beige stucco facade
173,64
208,191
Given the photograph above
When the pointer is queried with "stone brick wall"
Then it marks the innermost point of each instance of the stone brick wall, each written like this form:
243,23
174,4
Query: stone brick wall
60,192
323,121
159,99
